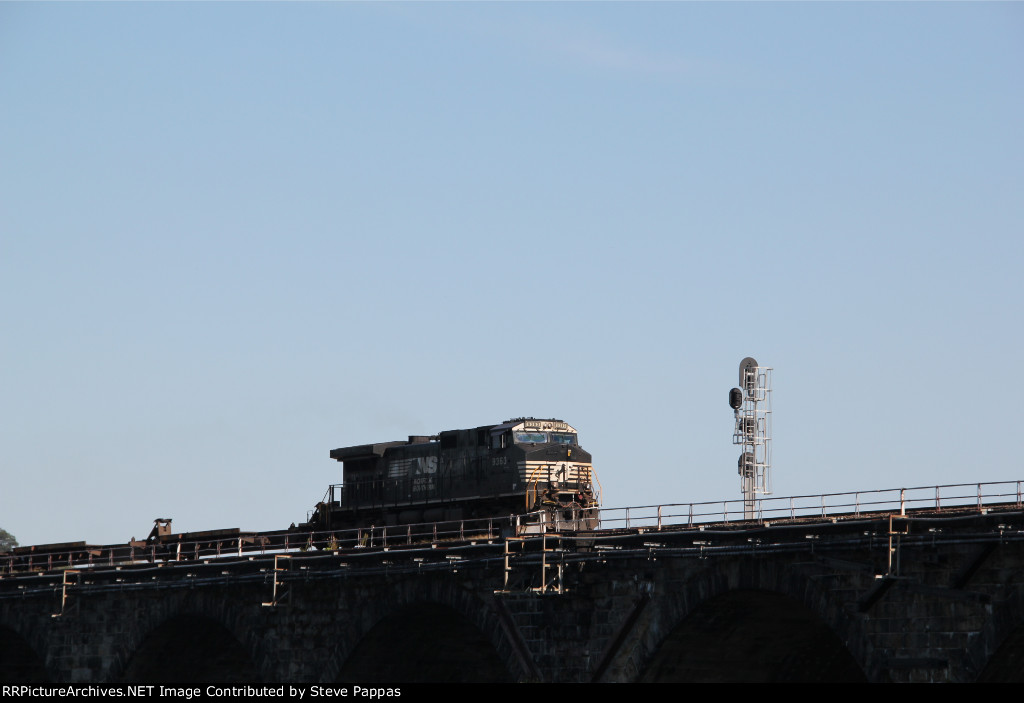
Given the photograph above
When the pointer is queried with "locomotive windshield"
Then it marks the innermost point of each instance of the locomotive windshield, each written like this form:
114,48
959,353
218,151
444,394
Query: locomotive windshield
545,437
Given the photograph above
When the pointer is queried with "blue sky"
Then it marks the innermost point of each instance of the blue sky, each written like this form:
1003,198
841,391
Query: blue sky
235,236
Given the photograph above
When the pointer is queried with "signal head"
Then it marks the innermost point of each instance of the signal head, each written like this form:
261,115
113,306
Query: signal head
735,398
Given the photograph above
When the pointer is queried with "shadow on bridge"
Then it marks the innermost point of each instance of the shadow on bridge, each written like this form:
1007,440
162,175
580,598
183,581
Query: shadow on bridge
751,635
1007,664
424,643
19,663
191,649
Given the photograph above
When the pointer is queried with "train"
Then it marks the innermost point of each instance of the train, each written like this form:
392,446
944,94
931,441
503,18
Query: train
529,467
527,476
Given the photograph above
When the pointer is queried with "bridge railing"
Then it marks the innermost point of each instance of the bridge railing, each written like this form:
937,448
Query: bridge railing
424,533
955,496
234,544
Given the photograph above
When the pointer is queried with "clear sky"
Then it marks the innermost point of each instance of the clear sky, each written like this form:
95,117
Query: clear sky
235,236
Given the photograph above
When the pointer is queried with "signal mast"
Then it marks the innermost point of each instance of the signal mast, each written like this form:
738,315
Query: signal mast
752,406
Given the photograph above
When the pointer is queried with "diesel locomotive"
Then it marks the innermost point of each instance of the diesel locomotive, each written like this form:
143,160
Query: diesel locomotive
525,466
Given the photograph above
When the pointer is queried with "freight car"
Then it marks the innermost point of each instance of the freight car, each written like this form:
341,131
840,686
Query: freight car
525,466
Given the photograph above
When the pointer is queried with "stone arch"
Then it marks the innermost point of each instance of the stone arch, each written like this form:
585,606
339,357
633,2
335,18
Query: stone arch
743,610
190,649
433,631
752,635
424,642
189,638
19,661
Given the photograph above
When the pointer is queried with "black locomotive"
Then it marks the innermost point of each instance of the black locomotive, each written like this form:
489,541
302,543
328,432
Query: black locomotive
522,466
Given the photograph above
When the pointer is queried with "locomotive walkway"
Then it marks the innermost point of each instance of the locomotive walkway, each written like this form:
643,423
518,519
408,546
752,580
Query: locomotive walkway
923,584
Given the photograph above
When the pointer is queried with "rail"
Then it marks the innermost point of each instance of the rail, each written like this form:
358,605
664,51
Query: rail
949,497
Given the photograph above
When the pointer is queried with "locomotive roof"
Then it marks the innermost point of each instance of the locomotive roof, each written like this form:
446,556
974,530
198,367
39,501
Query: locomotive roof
361,451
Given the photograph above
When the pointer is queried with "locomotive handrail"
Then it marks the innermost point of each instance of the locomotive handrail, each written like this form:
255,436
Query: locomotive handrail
531,488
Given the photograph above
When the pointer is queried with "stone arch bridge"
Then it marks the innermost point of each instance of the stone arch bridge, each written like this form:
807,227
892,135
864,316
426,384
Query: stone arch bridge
923,596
